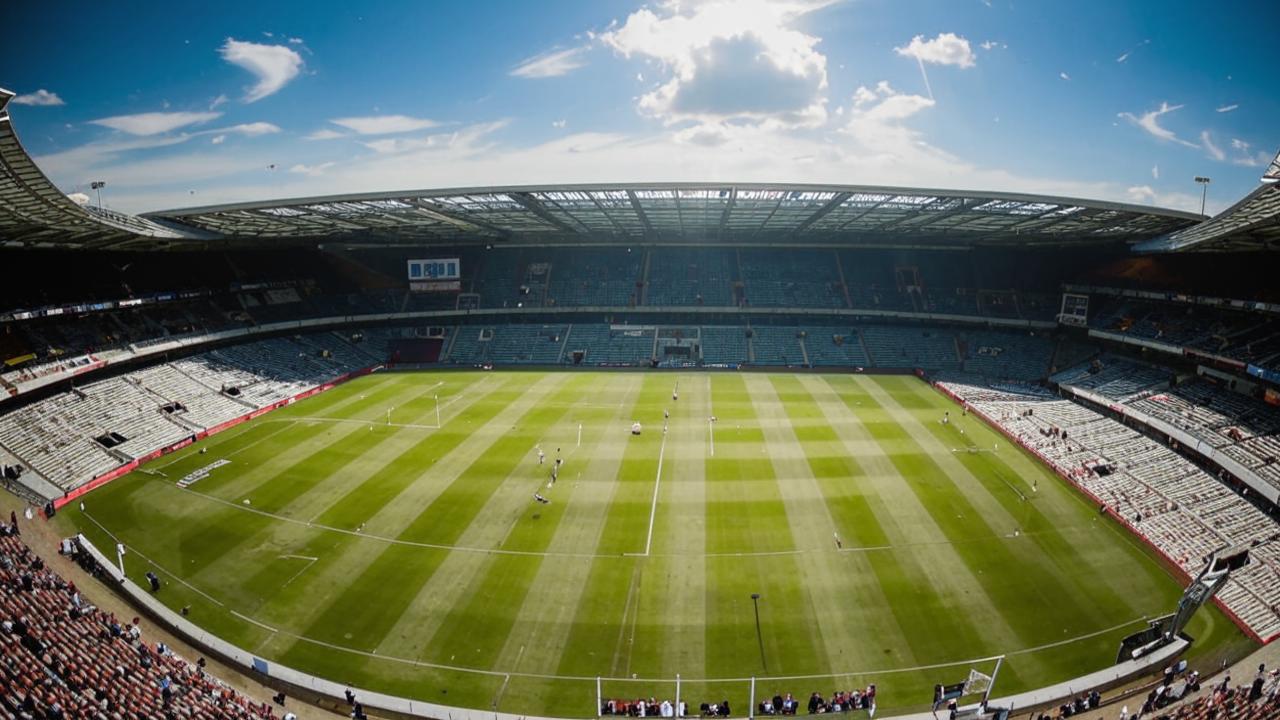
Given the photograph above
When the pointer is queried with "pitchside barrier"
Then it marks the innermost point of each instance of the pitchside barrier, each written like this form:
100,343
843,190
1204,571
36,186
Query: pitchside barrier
1182,576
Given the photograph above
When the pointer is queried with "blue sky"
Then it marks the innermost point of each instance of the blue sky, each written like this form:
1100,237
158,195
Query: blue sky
220,102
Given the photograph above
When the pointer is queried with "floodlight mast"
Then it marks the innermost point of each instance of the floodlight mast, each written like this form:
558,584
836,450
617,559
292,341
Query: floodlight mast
1204,190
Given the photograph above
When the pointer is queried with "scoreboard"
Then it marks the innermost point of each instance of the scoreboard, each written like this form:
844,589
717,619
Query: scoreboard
439,275
444,269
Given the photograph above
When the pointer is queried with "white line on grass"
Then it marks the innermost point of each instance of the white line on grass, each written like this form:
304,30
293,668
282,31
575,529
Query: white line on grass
154,564
310,561
657,483
288,423
546,676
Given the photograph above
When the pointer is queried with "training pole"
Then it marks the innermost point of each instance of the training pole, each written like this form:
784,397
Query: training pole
751,707
599,699
120,557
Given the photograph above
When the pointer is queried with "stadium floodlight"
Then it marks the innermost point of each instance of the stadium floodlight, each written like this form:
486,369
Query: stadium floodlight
97,186
1204,192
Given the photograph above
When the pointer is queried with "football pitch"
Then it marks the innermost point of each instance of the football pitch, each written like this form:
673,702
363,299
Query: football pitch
353,536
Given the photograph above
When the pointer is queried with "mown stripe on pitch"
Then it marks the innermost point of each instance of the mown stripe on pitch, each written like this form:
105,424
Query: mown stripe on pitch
199,532
297,605
600,640
544,620
906,521
923,617
507,579
1019,589
392,575
745,512
1058,504
376,491
988,469
263,543
842,603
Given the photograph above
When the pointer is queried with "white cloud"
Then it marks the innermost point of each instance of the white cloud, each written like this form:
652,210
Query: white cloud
553,63
41,98
1150,122
1127,53
1064,76
253,129
384,124
1245,156
78,198
218,139
295,41
1227,108
946,49
222,98
273,65
993,44
154,123
1155,172
311,170
465,138
1211,147
324,134
1141,194
559,124
728,60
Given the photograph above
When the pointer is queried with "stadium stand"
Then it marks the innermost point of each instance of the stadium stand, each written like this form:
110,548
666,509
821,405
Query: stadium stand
776,346
798,279
76,436
609,345
63,658
905,347
690,277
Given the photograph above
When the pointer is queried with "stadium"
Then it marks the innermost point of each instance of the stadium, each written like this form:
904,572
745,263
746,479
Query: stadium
642,448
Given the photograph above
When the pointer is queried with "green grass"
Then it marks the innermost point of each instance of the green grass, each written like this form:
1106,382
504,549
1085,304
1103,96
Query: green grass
412,560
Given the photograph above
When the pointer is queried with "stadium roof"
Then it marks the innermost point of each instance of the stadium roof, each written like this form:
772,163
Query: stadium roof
34,213
690,212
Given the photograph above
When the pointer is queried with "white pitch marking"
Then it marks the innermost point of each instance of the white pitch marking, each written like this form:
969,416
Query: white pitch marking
657,483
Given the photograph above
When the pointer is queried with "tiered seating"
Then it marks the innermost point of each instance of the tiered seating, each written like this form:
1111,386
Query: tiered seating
1173,503
468,348
76,436
690,276
838,346
594,276
1006,355
724,345
65,438
905,347
1114,378
797,278
605,345
202,406
527,344
63,658
776,346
